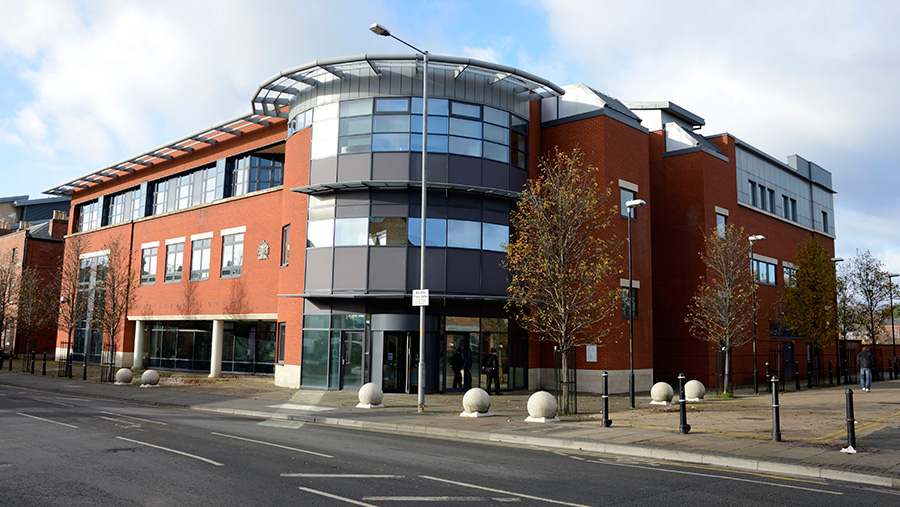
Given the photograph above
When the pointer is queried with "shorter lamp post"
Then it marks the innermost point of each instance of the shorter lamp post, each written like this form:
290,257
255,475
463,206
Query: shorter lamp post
753,239
891,296
630,205
837,346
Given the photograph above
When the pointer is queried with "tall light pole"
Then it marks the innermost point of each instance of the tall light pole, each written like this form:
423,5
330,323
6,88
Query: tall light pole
753,239
837,346
891,296
629,206
380,30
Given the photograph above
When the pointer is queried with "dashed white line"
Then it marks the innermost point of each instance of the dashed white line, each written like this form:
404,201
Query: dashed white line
341,498
343,476
511,493
47,420
54,402
436,499
135,418
272,445
182,453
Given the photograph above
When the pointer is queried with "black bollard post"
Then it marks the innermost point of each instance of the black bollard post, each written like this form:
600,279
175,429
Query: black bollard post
797,373
32,361
776,417
809,373
10,361
44,367
684,428
851,422
768,378
84,370
890,370
830,378
604,386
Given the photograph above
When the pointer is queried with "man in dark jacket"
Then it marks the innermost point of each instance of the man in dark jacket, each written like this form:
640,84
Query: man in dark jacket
865,361
491,367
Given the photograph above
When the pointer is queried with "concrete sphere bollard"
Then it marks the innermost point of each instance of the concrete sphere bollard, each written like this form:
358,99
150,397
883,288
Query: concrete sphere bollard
542,407
476,403
370,396
150,378
694,390
124,376
661,394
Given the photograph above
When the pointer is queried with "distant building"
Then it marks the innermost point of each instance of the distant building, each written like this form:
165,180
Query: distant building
329,161
20,212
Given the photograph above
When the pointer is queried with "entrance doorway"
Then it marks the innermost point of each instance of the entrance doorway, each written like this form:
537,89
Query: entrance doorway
352,356
463,350
400,362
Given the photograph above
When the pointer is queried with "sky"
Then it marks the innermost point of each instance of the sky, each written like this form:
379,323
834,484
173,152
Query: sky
84,85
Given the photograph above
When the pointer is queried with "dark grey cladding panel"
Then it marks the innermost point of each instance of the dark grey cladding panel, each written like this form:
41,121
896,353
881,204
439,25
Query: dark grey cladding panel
350,266
357,211
316,306
355,167
395,322
463,271
437,167
387,269
517,179
389,197
435,269
390,166
390,210
459,213
323,170
464,170
318,269
494,279
435,210
496,217
494,174
350,197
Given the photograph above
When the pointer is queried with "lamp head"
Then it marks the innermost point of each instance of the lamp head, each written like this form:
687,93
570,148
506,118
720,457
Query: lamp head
756,237
377,29
892,275
837,259
635,203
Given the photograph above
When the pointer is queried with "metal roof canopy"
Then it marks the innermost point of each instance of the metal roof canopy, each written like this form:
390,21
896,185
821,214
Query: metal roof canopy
231,129
281,89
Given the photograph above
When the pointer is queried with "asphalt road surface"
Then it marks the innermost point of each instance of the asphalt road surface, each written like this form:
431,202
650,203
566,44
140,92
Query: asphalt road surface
66,450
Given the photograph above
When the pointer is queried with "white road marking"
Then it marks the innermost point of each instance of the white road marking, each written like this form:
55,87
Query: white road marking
272,445
54,402
305,408
343,476
510,493
435,499
715,476
120,421
47,420
211,462
291,425
329,495
135,418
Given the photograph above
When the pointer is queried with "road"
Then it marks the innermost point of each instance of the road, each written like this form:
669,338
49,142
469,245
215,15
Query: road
67,450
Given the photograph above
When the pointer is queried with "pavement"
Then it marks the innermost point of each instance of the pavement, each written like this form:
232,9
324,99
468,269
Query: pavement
730,433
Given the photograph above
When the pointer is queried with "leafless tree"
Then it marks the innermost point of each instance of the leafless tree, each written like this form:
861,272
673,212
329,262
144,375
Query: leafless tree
117,281
9,275
72,300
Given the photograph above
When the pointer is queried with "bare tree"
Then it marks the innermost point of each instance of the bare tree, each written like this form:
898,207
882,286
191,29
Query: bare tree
563,257
37,302
117,281
72,301
9,274
722,308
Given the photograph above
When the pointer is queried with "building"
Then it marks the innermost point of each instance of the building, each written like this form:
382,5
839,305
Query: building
329,161
37,248
19,211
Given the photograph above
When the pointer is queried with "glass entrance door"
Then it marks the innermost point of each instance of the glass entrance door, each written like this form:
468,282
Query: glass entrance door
463,361
352,355
400,362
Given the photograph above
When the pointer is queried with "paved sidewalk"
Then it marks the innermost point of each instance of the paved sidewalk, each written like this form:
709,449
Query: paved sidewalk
734,433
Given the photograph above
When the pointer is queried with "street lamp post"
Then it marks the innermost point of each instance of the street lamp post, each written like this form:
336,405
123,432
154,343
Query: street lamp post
891,296
380,30
753,239
837,346
630,205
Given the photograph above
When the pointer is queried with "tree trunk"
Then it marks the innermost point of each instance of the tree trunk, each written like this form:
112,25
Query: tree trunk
727,381
565,381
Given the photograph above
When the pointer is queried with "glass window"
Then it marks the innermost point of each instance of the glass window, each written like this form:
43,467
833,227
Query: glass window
785,207
256,172
351,231
183,191
629,303
280,354
463,146
200,251
354,126
324,138
496,134
436,124
462,109
314,359
148,265
325,112
232,255
356,107
626,195
285,245
436,144
790,276
136,210
435,231
392,123
764,272
174,262
116,209
494,236
355,144
387,231
160,197
463,234
793,210
771,201
89,216
721,222
496,152
496,116
391,105
517,158
320,233
753,198
825,221
466,128
438,107
213,183
391,142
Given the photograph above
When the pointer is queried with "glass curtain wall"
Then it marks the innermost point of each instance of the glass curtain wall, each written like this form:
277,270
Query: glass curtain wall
247,347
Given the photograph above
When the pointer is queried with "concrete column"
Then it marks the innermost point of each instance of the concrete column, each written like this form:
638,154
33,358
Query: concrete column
215,363
137,360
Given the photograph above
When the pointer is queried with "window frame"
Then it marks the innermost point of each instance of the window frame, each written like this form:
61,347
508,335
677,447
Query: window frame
200,251
232,255
151,254
172,250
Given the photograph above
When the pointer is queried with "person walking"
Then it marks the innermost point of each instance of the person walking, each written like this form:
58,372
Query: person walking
456,364
865,361
491,367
